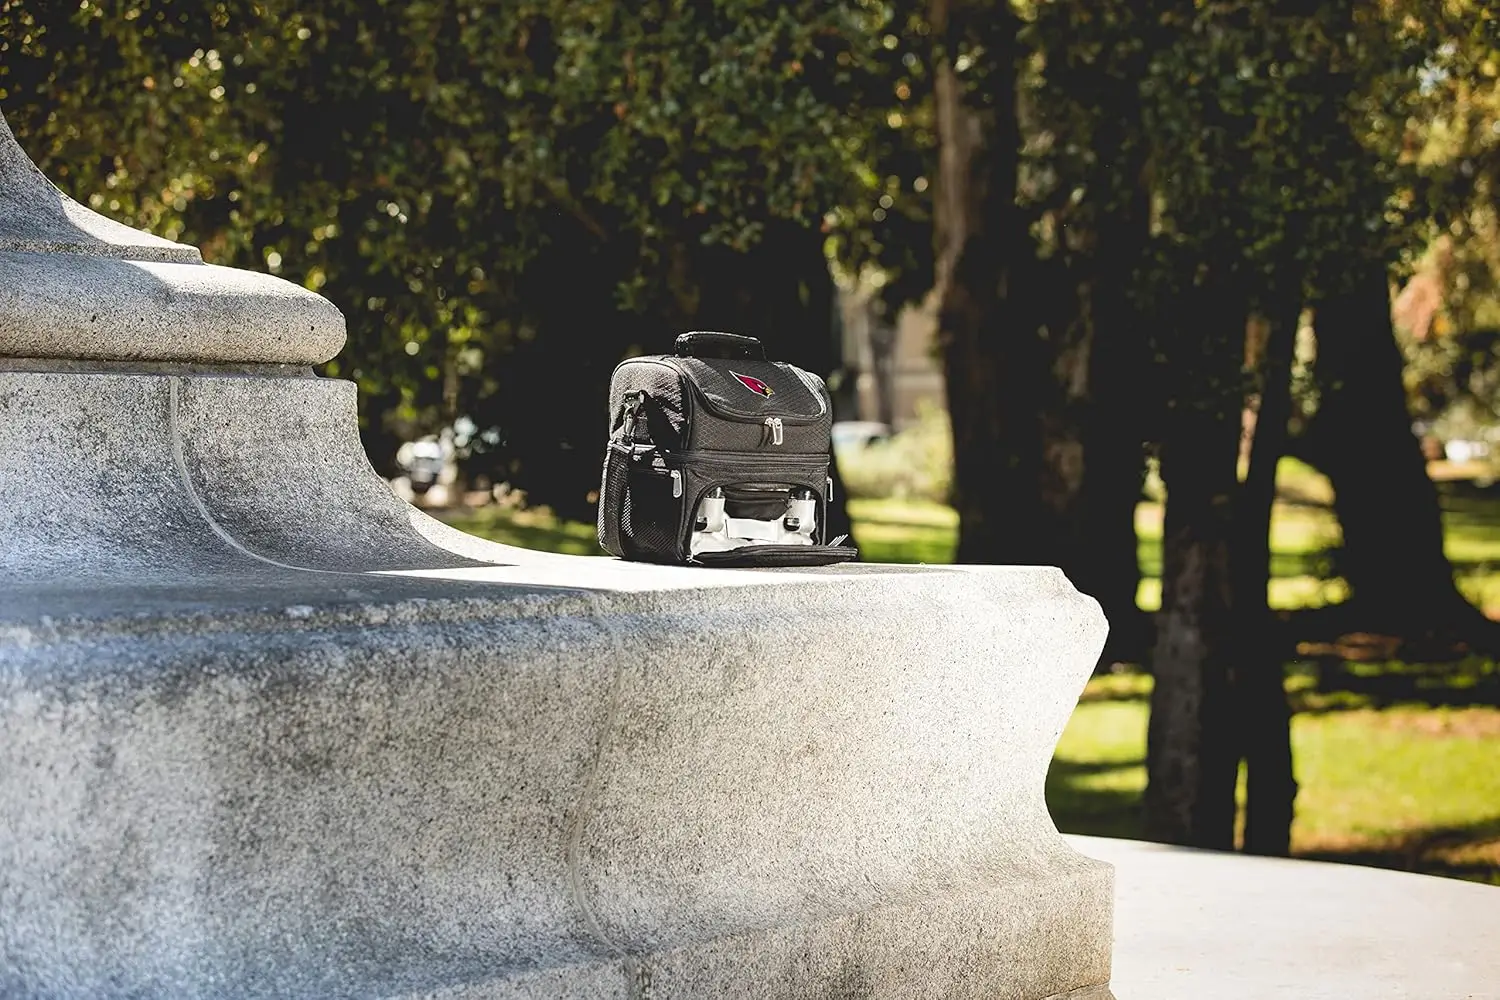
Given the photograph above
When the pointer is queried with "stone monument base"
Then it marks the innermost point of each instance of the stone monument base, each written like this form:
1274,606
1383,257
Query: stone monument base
265,731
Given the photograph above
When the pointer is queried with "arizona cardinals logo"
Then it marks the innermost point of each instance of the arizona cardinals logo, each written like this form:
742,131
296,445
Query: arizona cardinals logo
755,385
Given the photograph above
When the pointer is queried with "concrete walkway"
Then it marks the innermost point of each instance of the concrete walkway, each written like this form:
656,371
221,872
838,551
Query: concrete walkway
1202,924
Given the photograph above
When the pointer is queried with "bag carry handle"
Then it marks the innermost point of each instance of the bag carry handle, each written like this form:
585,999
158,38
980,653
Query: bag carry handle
707,344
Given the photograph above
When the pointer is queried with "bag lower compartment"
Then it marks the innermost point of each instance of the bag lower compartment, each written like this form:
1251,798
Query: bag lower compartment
756,489
650,504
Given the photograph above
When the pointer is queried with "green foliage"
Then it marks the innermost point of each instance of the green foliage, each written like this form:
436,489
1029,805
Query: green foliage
504,199
1450,144
1254,150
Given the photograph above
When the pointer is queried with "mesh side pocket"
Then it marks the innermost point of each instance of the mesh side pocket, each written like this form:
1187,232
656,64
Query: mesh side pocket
649,517
613,497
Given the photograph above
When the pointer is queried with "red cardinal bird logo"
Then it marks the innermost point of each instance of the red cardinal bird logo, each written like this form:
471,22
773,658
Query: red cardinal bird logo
755,385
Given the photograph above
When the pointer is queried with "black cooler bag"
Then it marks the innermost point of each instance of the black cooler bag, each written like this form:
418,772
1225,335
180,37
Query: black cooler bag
718,457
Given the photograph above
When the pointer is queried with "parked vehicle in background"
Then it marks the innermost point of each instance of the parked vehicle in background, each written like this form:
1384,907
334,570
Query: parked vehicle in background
423,462
855,434
1465,451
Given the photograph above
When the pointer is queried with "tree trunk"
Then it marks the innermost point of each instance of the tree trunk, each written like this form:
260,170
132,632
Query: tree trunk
1097,338
380,442
1114,473
883,365
1362,438
990,355
1265,719
1114,431
1191,756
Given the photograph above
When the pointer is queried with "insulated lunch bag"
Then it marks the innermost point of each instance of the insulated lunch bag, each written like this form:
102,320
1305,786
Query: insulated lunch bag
718,457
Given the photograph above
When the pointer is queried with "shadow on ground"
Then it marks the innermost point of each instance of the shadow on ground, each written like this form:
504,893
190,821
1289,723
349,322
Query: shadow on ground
1466,852
1338,683
1095,782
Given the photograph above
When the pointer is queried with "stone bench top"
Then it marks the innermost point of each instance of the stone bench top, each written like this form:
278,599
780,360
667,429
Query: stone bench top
247,591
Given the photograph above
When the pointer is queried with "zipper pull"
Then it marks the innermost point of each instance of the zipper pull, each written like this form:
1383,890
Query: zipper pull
779,435
633,405
772,432
676,484
828,493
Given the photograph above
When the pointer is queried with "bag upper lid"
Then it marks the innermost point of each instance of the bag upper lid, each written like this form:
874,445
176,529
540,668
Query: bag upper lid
754,388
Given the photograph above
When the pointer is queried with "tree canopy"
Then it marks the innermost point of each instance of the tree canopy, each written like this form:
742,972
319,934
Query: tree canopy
504,198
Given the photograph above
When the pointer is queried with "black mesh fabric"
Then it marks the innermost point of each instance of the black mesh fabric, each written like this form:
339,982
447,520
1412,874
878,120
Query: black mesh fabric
739,425
612,501
807,418
649,517
713,434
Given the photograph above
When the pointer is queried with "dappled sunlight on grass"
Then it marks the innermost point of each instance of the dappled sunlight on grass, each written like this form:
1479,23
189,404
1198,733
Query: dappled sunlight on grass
1298,482
1288,593
1285,593
1482,590
1303,538
904,531
916,513
1099,771
1405,786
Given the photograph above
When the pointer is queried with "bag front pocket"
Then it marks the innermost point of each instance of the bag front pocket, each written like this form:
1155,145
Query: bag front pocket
755,486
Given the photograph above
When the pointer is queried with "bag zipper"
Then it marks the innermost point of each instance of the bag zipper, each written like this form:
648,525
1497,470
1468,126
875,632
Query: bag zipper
672,463
776,461
774,432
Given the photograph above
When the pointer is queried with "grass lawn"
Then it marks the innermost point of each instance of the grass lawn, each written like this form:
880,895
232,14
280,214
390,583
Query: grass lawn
908,531
1393,780
534,528
1405,787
